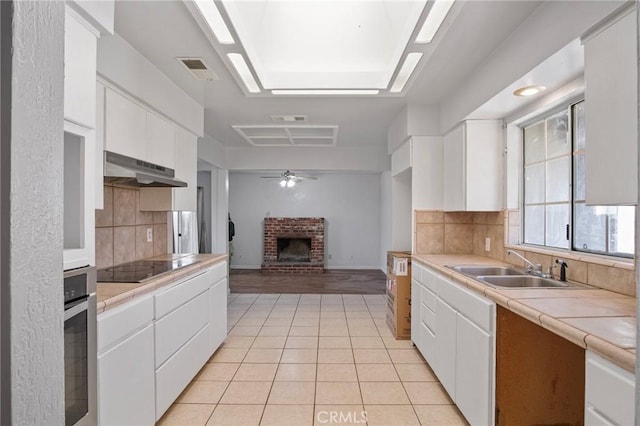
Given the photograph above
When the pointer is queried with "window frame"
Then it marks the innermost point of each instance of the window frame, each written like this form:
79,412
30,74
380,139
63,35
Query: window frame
568,107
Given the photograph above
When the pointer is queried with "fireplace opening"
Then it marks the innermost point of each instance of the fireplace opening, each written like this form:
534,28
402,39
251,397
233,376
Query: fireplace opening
294,249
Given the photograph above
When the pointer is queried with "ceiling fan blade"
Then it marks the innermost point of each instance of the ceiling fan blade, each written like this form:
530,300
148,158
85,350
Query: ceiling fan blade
271,177
306,178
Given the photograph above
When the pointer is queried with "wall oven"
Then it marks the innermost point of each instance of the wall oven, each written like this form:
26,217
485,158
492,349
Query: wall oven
80,356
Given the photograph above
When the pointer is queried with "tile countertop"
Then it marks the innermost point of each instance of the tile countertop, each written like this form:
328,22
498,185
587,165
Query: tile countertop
113,294
594,319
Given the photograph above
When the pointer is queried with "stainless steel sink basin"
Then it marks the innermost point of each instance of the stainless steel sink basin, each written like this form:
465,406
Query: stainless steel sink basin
523,281
477,270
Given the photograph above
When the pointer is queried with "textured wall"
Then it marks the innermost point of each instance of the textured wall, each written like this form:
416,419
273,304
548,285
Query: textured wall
35,265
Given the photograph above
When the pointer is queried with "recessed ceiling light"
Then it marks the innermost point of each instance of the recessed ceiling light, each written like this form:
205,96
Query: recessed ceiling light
244,72
211,15
405,72
529,90
435,18
324,92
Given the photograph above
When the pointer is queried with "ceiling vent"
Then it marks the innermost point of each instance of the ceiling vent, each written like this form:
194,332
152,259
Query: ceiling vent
289,118
198,69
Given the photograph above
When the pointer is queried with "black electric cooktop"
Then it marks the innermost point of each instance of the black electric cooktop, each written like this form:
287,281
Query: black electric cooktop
140,270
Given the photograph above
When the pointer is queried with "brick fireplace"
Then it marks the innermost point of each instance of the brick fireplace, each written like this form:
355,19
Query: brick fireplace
293,245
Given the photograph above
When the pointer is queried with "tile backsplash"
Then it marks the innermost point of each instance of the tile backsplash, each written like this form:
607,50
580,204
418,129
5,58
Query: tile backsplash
121,229
438,232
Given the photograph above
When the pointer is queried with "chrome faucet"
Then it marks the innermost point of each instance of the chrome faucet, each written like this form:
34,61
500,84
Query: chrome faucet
532,268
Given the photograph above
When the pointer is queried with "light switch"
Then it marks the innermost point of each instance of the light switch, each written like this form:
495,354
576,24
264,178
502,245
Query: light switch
149,235
487,244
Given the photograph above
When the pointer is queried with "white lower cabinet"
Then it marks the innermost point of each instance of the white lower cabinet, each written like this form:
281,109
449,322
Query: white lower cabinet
474,380
125,365
609,393
175,374
150,348
455,332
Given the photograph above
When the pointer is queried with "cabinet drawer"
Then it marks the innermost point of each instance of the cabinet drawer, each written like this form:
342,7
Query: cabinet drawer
428,298
120,322
176,328
416,272
609,390
177,372
429,279
477,309
180,293
428,317
218,272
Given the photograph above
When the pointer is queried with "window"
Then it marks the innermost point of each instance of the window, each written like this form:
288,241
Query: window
555,213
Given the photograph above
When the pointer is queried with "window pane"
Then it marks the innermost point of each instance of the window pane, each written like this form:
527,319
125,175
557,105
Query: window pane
534,225
534,183
558,179
622,230
557,216
589,228
558,141
578,177
534,143
578,126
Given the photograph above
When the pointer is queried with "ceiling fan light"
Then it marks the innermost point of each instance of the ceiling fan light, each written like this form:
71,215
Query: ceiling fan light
291,183
283,183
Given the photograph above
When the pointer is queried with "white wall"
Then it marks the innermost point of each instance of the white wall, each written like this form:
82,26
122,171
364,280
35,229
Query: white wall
385,219
31,200
124,66
402,214
212,151
346,159
350,204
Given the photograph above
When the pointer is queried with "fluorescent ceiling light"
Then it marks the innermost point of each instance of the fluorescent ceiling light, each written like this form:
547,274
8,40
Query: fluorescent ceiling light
435,18
529,90
405,72
214,20
324,92
244,72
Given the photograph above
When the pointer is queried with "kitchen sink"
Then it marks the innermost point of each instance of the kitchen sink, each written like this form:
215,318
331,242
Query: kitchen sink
476,270
523,281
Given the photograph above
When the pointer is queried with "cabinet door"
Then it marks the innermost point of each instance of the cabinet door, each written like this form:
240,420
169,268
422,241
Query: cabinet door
126,388
474,372
483,180
98,172
161,141
80,47
454,169
184,199
218,321
611,114
125,126
416,330
445,351
609,392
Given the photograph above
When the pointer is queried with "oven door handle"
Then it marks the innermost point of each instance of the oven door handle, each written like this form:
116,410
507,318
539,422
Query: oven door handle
72,312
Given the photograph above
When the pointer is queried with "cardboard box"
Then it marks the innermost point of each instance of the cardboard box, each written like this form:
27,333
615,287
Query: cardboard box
399,294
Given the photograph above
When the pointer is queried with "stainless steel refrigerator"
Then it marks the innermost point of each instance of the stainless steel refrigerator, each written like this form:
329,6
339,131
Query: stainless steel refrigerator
185,232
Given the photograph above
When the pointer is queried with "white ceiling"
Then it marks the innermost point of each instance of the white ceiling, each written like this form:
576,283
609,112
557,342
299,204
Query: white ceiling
164,30
350,44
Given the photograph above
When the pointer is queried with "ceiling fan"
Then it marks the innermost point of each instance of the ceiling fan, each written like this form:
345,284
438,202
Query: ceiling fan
289,179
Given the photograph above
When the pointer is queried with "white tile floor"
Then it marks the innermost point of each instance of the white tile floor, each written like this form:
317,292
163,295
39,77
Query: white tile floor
312,359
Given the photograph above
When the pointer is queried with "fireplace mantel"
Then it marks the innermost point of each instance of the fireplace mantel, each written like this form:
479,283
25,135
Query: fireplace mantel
294,227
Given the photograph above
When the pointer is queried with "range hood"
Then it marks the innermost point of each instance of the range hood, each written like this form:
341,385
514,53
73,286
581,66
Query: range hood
122,170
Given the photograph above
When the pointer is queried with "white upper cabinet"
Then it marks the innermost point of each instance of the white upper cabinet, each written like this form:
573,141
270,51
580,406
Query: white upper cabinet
125,126
79,72
184,199
611,112
473,166
161,141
